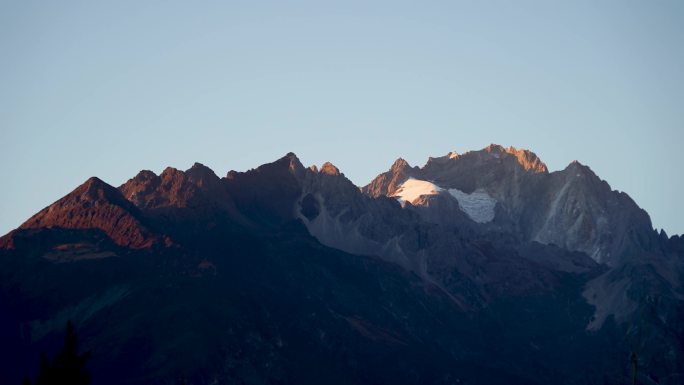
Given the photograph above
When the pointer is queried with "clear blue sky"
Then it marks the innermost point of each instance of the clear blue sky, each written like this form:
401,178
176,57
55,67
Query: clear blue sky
109,88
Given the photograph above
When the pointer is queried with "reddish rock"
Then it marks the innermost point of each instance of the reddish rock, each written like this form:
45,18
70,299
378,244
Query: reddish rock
95,204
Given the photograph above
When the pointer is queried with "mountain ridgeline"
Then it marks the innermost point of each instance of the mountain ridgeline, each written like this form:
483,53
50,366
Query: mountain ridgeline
477,268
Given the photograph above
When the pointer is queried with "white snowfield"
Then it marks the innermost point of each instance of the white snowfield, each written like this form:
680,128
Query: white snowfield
478,205
415,188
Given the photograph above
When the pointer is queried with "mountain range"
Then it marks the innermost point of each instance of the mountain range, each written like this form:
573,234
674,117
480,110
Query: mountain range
477,268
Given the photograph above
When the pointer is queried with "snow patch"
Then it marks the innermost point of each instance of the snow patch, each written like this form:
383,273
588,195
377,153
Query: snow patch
413,189
478,205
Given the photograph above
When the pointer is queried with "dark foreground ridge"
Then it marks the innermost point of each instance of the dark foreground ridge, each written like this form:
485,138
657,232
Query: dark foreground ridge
477,268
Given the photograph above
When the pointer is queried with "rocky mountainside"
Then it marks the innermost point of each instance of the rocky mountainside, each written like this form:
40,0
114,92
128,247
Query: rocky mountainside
513,190
478,268
97,205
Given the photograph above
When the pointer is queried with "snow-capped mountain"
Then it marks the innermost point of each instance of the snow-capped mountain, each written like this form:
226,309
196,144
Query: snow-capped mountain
481,267
513,189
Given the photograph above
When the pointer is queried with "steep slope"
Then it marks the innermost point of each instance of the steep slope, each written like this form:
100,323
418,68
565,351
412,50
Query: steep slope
387,183
512,191
174,188
582,213
190,205
267,194
335,211
281,308
96,205
508,191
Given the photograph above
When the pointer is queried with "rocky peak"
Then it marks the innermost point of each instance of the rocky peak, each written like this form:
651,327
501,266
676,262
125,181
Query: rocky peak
290,161
172,178
171,173
139,185
277,171
492,155
96,205
295,163
95,188
267,194
494,148
172,188
198,176
330,169
525,158
399,165
528,160
576,169
200,169
575,164
387,182
202,176
145,175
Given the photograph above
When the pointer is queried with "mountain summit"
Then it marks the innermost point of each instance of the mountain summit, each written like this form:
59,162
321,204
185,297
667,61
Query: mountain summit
476,268
512,188
95,204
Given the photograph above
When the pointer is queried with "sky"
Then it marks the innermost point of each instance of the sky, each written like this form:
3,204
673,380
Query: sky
109,88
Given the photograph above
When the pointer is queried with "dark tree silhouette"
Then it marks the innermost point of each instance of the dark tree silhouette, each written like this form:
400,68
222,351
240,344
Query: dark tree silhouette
68,366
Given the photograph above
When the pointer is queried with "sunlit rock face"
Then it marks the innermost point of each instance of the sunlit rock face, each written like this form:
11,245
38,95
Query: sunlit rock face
96,204
508,191
571,208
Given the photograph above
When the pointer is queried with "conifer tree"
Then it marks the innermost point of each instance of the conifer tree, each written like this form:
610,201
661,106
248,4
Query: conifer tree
68,366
